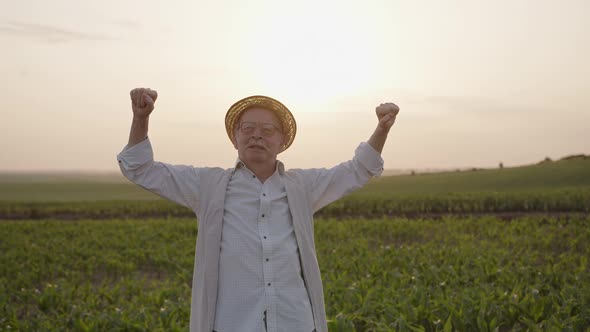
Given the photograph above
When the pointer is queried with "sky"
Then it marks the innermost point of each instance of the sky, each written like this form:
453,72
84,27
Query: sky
477,82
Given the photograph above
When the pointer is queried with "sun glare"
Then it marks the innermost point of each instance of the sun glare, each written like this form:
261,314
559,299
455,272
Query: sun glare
309,61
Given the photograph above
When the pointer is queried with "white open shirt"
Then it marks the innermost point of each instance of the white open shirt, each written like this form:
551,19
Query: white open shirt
246,286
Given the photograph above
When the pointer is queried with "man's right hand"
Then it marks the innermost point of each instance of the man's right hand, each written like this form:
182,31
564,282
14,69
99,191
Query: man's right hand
142,101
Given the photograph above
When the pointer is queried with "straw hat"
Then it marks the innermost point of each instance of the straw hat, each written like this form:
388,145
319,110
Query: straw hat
282,112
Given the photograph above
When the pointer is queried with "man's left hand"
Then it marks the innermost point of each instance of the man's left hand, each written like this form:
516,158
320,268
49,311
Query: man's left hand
386,113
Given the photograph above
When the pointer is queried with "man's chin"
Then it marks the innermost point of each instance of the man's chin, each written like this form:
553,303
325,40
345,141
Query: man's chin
256,156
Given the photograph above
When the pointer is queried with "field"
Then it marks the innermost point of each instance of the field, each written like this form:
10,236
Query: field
486,250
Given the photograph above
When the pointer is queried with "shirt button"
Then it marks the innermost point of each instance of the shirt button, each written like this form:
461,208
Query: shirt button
265,236
263,194
263,216
269,283
267,259
119,161
253,176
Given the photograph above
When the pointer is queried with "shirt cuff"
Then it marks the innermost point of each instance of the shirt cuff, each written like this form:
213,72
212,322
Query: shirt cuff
137,155
370,158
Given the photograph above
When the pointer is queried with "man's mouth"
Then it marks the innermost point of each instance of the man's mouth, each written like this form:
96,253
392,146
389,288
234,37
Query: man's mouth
257,147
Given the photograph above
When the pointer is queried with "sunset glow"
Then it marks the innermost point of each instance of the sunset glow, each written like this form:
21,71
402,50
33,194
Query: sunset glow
478,83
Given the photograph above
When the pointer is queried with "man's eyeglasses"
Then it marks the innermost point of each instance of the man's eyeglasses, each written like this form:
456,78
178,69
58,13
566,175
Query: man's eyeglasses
266,129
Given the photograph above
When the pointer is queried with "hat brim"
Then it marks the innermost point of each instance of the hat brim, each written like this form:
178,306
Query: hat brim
282,112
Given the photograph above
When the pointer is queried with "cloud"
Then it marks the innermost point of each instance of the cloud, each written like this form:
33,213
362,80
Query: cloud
49,33
467,103
508,103
126,24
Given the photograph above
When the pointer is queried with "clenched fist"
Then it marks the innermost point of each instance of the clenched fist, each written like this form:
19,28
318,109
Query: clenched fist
142,101
386,114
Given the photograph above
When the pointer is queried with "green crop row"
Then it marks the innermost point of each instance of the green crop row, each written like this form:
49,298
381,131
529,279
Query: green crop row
374,205
365,204
448,274
77,210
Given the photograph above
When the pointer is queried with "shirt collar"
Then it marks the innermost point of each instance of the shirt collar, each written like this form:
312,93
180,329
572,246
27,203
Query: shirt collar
280,167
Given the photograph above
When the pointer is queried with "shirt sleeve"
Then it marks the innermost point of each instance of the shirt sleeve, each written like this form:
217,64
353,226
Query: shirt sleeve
328,185
178,183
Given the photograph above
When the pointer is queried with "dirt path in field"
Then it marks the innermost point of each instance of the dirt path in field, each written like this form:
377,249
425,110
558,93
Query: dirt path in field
74,216
501,215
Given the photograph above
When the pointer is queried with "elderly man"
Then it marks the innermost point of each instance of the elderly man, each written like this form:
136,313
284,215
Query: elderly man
255,262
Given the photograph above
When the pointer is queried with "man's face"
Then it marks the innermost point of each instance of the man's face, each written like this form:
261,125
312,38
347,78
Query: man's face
253,138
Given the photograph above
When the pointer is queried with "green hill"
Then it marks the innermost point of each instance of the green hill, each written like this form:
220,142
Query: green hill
561,186
543,176
557,187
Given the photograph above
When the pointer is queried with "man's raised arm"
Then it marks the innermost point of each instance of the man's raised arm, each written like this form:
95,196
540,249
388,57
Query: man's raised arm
386,114
142,104
178,183
328,185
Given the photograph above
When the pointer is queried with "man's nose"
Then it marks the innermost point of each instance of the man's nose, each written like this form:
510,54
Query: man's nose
257,132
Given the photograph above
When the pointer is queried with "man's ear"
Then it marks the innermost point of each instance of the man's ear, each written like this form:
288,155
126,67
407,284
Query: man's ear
234,140
283,139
